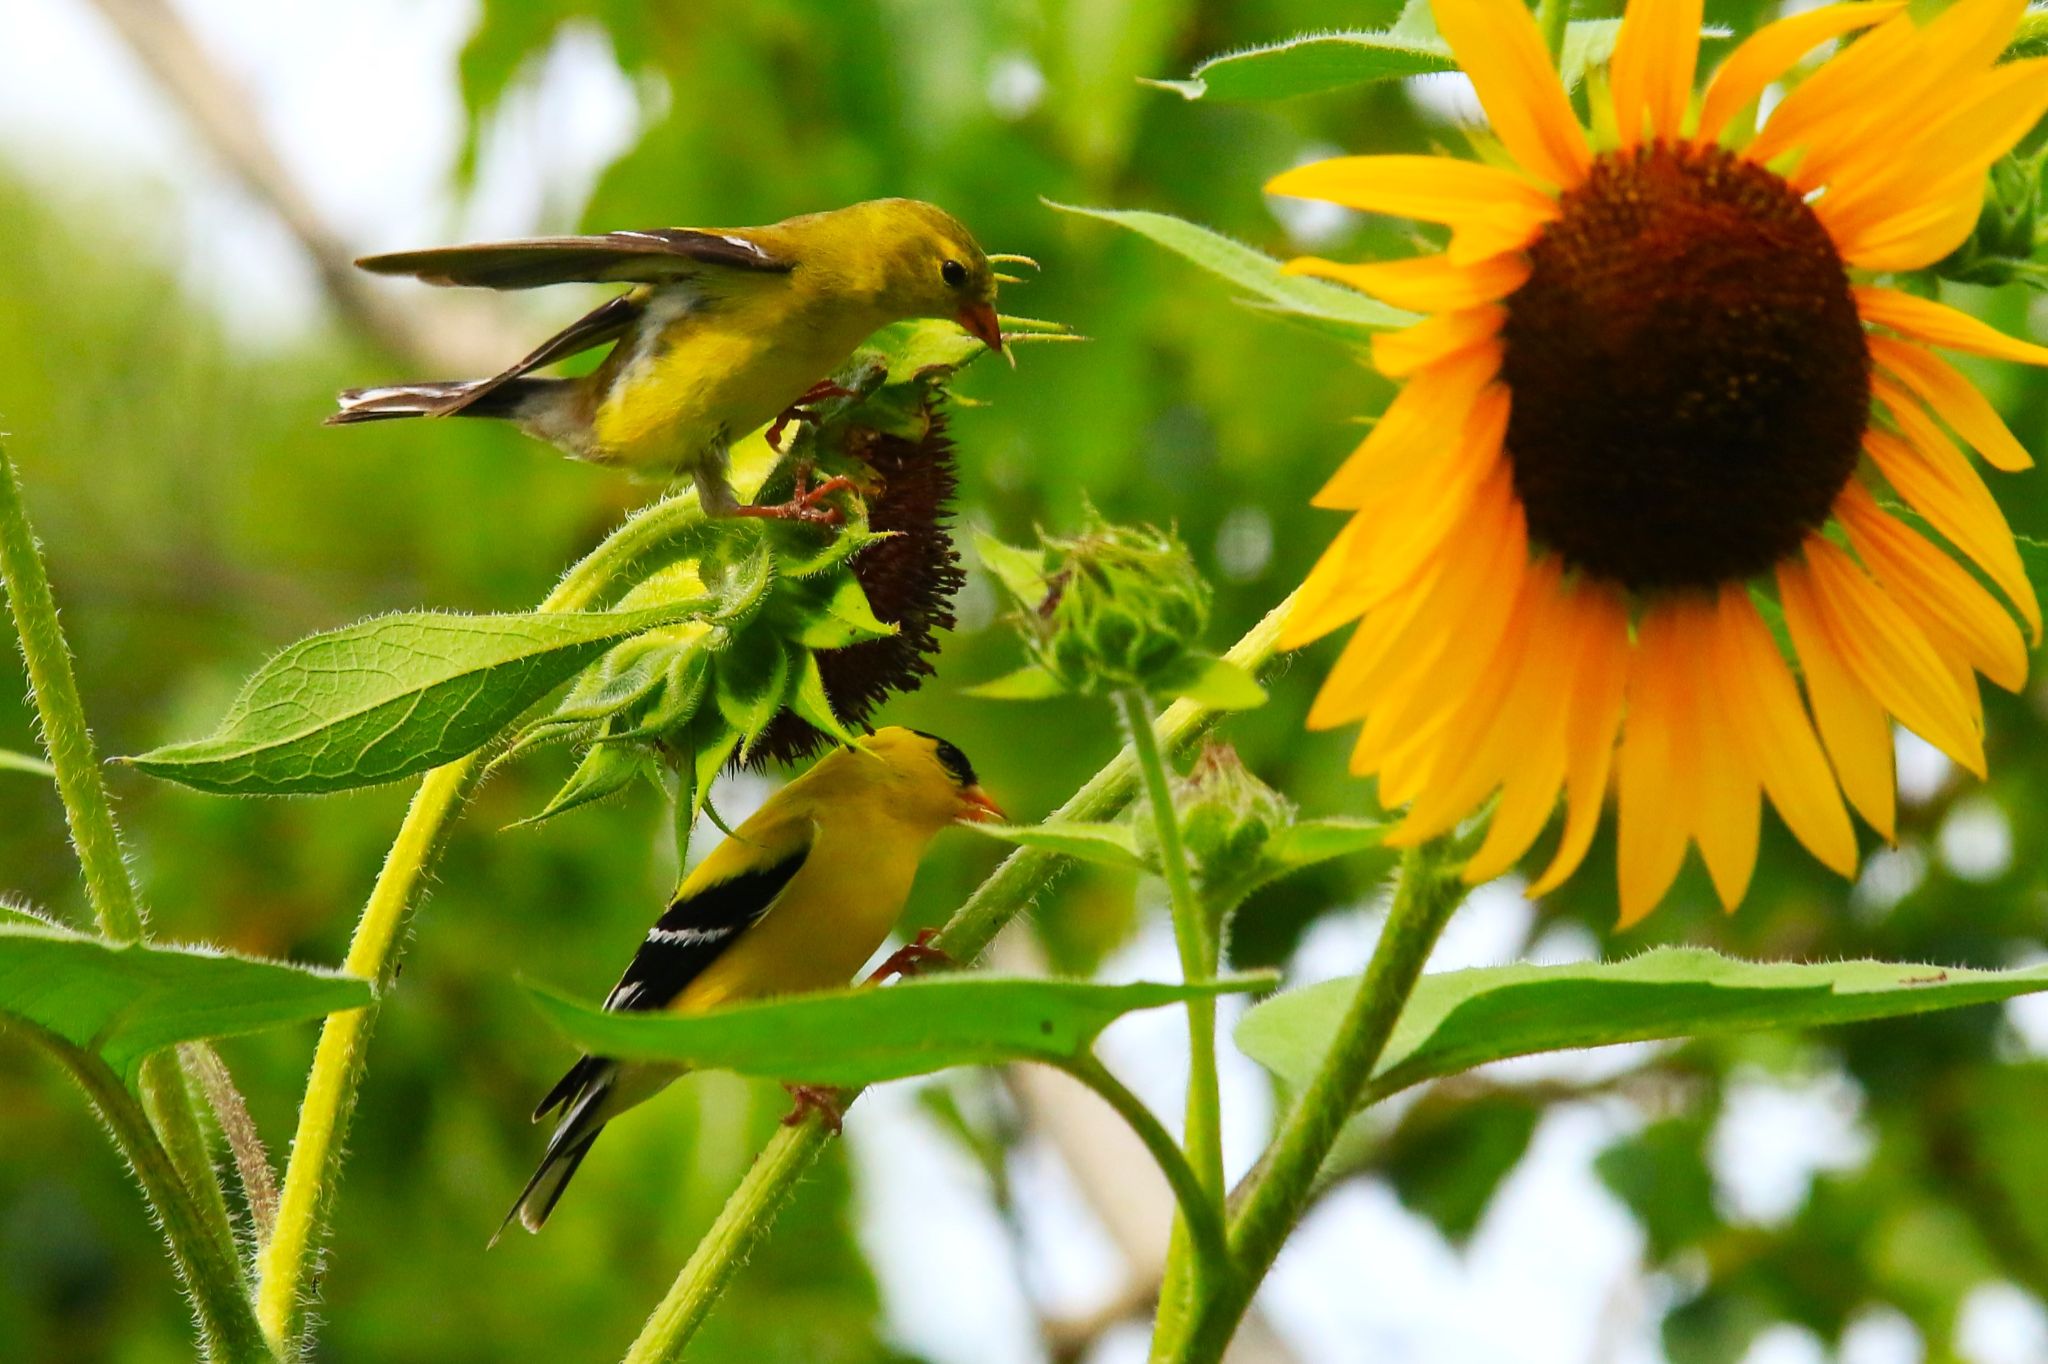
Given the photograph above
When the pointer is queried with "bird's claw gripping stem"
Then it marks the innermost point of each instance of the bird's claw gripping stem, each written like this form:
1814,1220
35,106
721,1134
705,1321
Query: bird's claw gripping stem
804,500
817,1099
912,958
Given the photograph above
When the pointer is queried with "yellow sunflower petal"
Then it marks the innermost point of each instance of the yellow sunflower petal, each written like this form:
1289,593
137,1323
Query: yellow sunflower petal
1905,77
1926,177
1652,68
1727,809
1889,655
1401,353
1417,521
1954,399
1411,630
1949,605
1767,721
1425,284
1324,602
1912,240
1593,716
1499,46
1488,210
1932,476
1853,725
1431,411
1497,723
1766,55
1843,90
1937,324
1655,782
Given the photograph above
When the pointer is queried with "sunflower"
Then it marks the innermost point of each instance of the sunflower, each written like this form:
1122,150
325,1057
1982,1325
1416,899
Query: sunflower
1658,402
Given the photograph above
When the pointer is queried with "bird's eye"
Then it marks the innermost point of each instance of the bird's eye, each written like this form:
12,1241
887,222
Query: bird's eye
954,273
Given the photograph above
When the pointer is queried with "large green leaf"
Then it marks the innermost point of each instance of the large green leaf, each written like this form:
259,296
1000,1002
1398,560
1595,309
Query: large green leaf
1319,300
1460,1019
1318,63
391,696
860,1036
125,1001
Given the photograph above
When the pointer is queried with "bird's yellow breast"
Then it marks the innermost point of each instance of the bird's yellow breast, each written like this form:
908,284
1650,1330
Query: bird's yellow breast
827,922
704,370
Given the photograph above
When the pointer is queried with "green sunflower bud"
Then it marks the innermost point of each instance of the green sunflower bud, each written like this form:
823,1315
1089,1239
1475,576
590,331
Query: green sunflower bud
1227,818
2004,247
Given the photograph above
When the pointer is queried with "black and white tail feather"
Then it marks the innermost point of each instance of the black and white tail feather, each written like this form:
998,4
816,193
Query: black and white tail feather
683,942
505,399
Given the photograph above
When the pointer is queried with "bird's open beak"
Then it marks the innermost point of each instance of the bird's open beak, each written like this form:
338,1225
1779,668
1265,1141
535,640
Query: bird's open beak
980,321
977,808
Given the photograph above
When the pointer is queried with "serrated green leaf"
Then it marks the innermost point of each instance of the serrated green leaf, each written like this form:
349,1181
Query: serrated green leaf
1319,63
863,1036
11,761
1314,64
1020,571
605,770
1028,683
1460,1019
392,696
750,680
712,747
124,1002
1107,845
838,616
809,701
1215,683
1318,840
1254,270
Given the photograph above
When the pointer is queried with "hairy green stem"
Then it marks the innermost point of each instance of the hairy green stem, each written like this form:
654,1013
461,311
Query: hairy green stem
1008,891
1202,1131
1201,1212
1554,18
213,1277
89,812
1278,1192
313,1171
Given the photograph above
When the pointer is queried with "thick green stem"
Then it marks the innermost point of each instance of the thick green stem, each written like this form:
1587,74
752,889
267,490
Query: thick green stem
1192,934
1278,1192
214,1282
90,814
313,1171
1200,1211
1554,18
1008,891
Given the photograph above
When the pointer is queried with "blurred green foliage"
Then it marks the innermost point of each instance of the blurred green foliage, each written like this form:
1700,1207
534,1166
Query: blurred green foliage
198,517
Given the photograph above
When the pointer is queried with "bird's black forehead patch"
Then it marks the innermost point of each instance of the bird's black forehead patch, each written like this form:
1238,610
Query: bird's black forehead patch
952,759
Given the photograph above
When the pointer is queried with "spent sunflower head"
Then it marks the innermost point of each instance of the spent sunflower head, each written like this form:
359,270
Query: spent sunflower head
1657,393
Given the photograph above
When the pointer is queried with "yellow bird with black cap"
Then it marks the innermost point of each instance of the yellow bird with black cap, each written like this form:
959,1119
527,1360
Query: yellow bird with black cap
725,330
796,899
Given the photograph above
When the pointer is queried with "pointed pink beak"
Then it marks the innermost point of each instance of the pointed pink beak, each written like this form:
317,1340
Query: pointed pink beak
977,808
980,321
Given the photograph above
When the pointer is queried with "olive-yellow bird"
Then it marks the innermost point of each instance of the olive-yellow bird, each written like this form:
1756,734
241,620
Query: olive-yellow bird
727,329
799,896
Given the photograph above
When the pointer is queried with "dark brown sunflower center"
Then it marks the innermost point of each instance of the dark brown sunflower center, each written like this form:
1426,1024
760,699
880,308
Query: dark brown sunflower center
1689,377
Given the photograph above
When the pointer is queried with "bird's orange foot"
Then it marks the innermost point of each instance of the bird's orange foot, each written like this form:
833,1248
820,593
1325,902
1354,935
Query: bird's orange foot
800,410
816,1099
912,958
804,500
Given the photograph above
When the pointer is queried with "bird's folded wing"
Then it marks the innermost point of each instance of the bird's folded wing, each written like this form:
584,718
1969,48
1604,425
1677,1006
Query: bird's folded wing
698,927
598,327
649,257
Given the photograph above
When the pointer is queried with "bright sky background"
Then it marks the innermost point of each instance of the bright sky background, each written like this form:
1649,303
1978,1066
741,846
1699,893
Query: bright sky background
360,101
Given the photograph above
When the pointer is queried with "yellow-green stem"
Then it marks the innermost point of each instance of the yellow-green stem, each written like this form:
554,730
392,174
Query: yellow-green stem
1278,1191
313,1171
89,812
1020,879
1202,1133
213,1277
